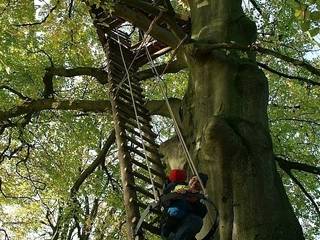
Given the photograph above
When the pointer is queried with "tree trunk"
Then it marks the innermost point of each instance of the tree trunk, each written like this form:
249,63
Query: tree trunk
225,123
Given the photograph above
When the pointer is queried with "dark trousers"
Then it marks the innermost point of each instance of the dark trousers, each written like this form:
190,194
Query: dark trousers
187,228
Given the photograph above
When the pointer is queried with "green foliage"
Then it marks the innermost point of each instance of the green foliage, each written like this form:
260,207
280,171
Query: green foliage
45,157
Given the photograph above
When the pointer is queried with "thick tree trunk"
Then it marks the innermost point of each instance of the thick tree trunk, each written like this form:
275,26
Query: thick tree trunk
226,126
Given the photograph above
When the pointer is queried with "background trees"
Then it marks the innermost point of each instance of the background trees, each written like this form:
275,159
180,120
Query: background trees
48,144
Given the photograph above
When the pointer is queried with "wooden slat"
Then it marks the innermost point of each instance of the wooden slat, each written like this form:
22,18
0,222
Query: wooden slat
146,179
143,206
142,191
145,128
124,89
142,121
154,161
123,84
130,110
145,167
150,148
151,228
146,138
127,96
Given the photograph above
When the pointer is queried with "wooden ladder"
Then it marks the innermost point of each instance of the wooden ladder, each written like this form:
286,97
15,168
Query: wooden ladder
138,153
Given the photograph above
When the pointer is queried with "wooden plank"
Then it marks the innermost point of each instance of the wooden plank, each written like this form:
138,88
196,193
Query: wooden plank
146,179
152,148
142,191
142,121
136,133
125,89
152,160
151,228
121,102
127,96
130,110
145,167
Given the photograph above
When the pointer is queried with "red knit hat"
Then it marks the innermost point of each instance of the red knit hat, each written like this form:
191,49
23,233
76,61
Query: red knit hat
177,175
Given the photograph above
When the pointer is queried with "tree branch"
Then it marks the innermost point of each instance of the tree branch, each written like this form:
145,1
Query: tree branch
205,47
173,67
6,236
90,169
99,74
285,164
42,21
159,107
50,104
20,95
302,79
141,21
151,9
256,6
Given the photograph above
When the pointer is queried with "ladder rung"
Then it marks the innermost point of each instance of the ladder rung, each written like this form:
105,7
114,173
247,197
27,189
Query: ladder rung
115,47
151,228
118,68
150,148
130,123
142,119
130,110
146,138
127,92
142,191
119,75
138,136
145,167
138,105
146,179
154,161
144,206
146,127
127,96
121,102
125,87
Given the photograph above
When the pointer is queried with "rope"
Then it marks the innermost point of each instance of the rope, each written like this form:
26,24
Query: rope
177,129
144,42
138,122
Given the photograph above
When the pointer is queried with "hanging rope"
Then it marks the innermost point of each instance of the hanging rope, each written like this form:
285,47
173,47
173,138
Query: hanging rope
178,131
138,122
144,42
176,125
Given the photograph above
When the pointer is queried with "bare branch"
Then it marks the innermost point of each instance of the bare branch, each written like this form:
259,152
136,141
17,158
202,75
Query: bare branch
159,107
310,122
51,104
19,94
290,165
205,47
287,166
90,169
256,6
70,8
6,236
296,181
42,21
97,73
173,67
302,79
140,20
11,196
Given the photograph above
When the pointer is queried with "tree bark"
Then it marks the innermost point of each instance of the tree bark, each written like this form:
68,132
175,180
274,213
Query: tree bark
225,124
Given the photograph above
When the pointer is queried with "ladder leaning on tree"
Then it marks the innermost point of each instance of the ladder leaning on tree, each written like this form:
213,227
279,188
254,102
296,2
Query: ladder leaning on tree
138,153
